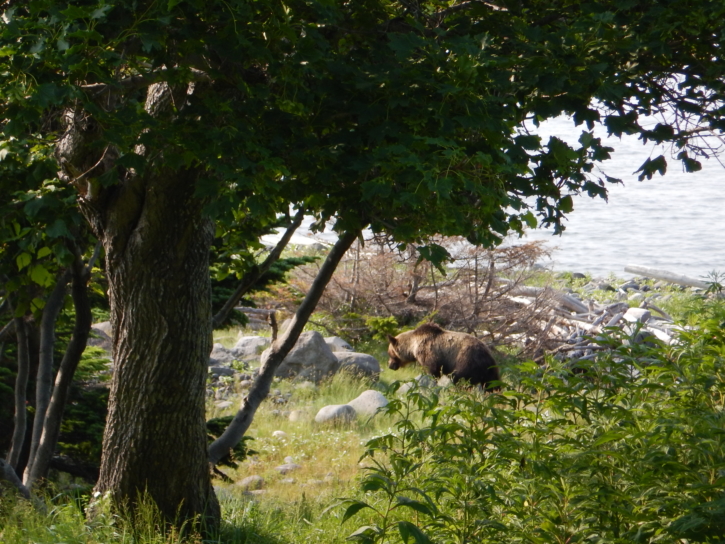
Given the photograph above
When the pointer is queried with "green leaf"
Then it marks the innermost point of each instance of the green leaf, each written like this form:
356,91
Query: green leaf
100,12
43,252
40,275
414,505
650,166
353,509
57,229
586,138
23,260
74,12
376,482
530,219
408,530
365,534
609,436
566,204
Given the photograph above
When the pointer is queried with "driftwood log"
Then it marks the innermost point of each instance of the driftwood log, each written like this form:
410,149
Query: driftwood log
672,277
572,325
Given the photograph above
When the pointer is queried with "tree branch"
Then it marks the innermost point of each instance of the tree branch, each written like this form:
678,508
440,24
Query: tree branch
143,80
7,331
279,350
251,277
76,346
21,386
44,380
7,473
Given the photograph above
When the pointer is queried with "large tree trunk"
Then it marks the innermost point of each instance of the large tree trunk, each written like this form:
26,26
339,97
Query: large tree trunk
157,250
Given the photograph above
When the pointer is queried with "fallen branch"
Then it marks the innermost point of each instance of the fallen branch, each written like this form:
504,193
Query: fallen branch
665,276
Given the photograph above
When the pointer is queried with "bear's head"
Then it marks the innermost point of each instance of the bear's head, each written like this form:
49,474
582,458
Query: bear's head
395,360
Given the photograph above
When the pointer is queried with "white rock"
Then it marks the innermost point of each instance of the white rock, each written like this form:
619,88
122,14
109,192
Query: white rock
637,314
404,388
361,364
279,434
335,413
248,348
337,344
289,459
296,415
368,402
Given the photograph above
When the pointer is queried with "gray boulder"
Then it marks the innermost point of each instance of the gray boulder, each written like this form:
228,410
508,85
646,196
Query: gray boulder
251,482
101,336
361,364
368,402
248,348
310,359
337,344
425,381
220,371
336,413
287,468
220,355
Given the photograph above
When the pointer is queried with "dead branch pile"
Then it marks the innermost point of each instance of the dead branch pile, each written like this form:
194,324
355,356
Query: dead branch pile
485,292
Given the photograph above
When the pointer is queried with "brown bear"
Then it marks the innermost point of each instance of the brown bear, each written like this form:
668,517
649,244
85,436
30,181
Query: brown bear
456,354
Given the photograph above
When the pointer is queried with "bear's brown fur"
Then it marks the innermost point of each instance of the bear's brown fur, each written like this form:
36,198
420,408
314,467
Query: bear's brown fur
456,354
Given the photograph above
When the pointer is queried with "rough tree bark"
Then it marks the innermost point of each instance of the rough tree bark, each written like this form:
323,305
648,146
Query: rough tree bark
279,350
157,244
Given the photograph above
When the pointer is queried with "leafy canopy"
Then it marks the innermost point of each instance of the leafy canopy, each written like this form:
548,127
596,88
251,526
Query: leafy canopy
408,116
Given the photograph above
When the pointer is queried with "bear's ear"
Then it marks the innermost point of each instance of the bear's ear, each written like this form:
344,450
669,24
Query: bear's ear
392,340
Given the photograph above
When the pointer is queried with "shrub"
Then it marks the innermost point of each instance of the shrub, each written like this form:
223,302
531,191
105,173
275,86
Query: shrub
632,450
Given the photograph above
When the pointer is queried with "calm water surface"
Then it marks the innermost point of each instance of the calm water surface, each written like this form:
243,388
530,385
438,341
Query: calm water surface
674,222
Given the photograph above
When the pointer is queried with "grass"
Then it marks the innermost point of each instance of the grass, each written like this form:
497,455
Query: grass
328,457
655,440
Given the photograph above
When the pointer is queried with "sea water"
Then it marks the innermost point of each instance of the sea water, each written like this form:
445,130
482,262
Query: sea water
674,222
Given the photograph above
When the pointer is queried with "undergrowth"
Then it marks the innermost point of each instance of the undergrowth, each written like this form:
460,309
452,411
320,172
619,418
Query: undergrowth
632,449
